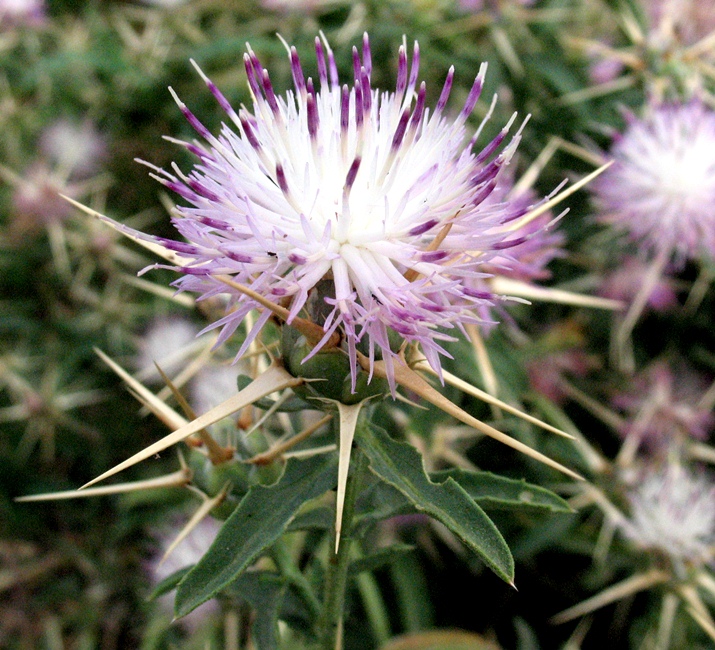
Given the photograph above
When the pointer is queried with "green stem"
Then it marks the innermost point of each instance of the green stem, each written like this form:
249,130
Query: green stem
331,623
282,557
374,607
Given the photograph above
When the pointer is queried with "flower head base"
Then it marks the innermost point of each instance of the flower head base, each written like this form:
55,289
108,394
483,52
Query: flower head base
367,189
673,511
661,189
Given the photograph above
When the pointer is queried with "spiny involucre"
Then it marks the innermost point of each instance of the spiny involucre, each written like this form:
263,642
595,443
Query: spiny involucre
367,189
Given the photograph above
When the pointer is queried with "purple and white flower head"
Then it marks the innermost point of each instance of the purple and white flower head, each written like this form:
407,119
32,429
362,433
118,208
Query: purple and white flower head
369,190
672,511
661,188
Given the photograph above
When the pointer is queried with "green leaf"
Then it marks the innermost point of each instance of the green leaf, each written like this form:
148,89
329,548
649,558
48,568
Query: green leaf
258,521
264,591
400,465
321,518
380,558
492,490
169,583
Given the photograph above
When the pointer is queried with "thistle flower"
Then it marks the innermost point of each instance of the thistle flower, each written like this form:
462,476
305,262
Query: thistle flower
661,189
673,512
365,189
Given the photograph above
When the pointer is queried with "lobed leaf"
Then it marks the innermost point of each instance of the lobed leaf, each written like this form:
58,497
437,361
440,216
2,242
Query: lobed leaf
400,465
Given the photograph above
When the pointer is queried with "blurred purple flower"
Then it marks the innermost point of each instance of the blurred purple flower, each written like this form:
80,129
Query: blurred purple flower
661,188
624,282
663,406
36,200
480,5
546,374
686,21
16,13
367,189
604,70
188,552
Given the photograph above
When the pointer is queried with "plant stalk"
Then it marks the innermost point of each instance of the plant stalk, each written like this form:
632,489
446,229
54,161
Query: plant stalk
331,623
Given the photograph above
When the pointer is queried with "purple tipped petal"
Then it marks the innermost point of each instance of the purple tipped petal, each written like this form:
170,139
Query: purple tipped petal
352,173
423,228
322,67
400,130
446,89
344,110
401,74
281,178
312,110
357,66
472,98
414,69
366,54
297,71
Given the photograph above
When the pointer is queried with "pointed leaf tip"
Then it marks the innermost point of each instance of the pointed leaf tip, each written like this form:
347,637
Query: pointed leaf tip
400,465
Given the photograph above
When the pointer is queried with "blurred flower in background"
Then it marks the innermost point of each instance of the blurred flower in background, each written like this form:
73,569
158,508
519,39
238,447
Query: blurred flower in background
672,511
167,561
78,149
625,280
18,13
681,21
661,188
666,405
